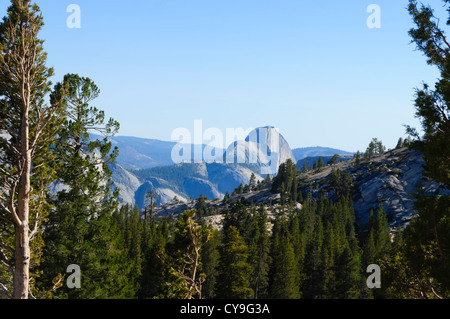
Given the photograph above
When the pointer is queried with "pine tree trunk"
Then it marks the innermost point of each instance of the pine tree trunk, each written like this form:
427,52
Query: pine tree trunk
22,242
22,247
24,85
22,263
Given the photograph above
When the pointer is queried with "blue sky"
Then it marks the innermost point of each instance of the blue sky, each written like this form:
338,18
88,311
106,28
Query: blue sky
313,69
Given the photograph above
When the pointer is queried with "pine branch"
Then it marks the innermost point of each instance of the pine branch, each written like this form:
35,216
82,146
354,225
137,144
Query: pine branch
5,291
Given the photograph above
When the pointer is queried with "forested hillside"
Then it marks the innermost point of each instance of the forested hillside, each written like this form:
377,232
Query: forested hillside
304,232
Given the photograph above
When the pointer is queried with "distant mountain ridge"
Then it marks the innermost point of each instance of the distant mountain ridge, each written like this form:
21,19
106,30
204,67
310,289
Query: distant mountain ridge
140,153
310,160
144,164
303,152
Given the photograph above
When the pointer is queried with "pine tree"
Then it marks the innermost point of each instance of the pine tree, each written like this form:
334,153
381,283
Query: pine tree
182,259
377,245
285,271
375,147
320,163
107,269
314,267
294,189
234,269
239,217
370,251
252,182
382,234
151,201
201,207
156,236
340,182
333,160
259,253
298,230
29,126
315,165
132,228
226,198
80,228
210,261
426,243
348,275
285,182
304,168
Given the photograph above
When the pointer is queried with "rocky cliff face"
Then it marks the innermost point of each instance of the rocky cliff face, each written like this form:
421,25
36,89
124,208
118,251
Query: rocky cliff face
389,179
264,147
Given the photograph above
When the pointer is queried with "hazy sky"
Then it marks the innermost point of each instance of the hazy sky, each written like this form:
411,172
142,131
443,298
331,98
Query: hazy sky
313,69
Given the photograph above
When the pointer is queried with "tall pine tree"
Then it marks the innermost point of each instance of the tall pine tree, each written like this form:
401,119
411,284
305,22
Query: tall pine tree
234,269
424,253
28,125
80,228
